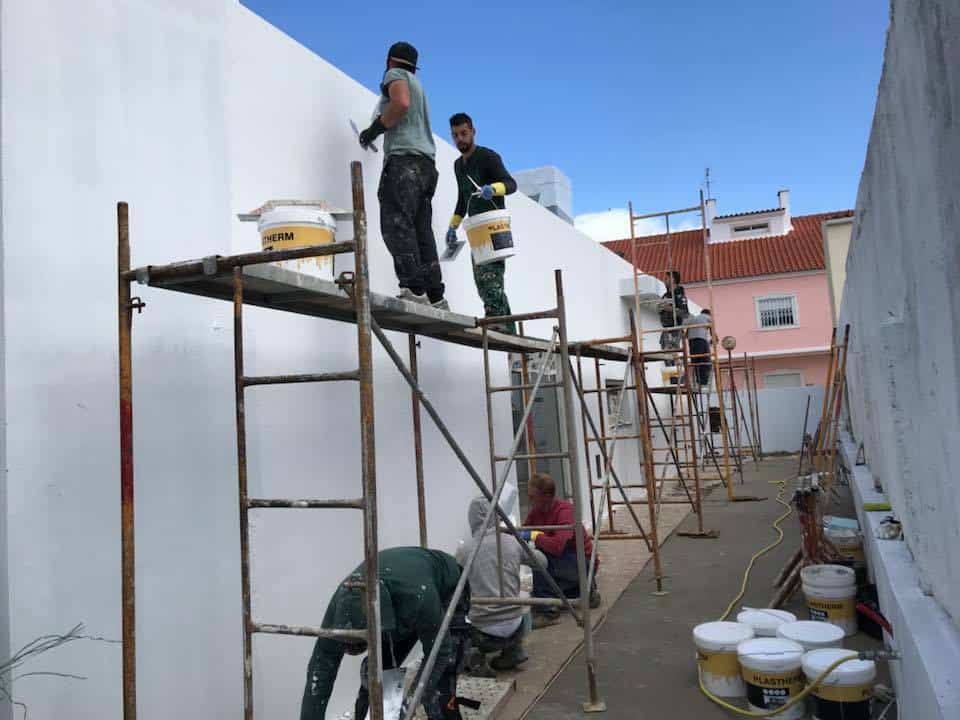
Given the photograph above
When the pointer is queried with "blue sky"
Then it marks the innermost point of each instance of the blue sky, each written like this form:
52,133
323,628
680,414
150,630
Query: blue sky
633,99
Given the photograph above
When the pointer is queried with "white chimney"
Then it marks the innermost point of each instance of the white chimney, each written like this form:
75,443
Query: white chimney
784,200
711,209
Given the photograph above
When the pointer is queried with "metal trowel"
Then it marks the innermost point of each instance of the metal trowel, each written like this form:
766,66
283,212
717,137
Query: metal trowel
452,251
356,131
392,693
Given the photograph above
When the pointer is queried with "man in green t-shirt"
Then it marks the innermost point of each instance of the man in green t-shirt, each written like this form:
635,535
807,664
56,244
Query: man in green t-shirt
409,178
484,167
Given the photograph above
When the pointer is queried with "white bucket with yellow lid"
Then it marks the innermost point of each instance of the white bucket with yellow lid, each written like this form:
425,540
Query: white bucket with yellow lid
287,227
831,592
773,675
717,656
490,236
844,693
765,621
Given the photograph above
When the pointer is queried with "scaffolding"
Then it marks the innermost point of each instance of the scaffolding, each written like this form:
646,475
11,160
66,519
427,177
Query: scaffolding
742,391
254,279
680,443
815,489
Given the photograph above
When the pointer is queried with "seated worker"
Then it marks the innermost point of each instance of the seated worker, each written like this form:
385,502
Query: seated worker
416,586
558,546
493,628
673,311
698,340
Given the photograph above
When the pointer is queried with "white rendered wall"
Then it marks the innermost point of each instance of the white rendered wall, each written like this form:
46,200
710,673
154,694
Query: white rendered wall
902,300
781,412
901,296
193,112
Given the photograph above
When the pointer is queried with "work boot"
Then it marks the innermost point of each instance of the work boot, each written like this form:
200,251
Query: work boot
545,619
441,304
477,665
509,658
410,296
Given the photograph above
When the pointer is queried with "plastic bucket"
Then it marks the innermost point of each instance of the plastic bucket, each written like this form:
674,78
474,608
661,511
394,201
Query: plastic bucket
831,595
772,672
669,375
845,693
717,656
849,543
765,621
811,634
287,227
490,236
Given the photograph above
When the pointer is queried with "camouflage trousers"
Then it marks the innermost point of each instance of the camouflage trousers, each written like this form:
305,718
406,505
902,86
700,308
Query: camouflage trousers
407,185
489,281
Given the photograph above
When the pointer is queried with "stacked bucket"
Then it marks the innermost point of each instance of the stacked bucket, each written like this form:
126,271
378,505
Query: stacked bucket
769,657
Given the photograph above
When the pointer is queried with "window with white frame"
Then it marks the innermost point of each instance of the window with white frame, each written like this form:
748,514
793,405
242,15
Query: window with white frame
776,311
752,229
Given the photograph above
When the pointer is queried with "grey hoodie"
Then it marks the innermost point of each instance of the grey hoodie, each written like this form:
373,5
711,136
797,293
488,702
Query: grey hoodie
484,581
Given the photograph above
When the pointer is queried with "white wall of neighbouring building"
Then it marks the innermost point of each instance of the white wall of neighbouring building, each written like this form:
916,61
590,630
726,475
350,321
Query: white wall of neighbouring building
192,112
781,413
902,301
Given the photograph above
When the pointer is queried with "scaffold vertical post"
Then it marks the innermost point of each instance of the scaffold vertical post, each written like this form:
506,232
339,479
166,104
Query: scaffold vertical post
361,301
127,535
242,492
646,448
594,703
418,444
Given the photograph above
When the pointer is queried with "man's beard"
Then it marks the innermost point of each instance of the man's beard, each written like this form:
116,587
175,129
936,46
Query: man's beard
464,147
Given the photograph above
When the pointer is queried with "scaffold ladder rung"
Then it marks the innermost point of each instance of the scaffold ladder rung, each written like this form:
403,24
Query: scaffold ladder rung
252,380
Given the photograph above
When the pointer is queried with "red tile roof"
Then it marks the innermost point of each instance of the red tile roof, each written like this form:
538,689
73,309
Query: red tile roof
799,250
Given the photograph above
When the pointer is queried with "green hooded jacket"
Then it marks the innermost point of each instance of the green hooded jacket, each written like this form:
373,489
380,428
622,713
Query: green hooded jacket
416,586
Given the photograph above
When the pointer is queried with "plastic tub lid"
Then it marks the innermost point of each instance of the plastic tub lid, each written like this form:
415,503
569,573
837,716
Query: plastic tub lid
766,619
828,575
293,215
851,673
813,631
772,654
721,636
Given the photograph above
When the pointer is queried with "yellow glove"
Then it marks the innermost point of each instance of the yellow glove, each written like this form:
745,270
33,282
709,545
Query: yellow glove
455,221
534,534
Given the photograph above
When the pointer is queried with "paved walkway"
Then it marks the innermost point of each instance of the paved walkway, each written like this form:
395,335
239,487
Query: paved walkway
647,662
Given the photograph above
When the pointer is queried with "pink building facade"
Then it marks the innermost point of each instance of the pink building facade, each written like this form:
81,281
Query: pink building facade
770,285
786,354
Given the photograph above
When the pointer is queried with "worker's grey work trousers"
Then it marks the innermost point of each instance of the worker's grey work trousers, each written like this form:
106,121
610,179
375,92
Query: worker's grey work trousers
407,186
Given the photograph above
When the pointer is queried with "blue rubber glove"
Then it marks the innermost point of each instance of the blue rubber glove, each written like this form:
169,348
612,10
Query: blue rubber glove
451,237
487,192
524,534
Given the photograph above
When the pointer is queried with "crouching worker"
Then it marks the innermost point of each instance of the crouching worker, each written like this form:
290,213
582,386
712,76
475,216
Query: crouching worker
559,548
416,587
493,628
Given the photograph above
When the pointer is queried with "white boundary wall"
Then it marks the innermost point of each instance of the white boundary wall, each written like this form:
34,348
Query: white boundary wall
902,299
781,415
193,111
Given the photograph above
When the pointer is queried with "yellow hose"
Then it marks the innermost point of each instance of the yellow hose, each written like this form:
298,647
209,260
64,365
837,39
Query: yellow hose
726,613
764,551
793,701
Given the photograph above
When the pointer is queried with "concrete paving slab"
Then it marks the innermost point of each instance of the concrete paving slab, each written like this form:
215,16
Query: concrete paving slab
552,648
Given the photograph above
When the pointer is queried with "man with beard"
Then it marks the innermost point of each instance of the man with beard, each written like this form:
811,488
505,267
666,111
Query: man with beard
481,167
